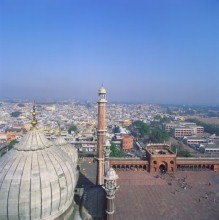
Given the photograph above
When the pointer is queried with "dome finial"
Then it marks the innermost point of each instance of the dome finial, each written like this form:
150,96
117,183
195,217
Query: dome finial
102,90
34,121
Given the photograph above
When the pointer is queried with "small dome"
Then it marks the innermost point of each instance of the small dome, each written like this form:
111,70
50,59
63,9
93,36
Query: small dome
37,180
107,143
111,174
102,90
70,150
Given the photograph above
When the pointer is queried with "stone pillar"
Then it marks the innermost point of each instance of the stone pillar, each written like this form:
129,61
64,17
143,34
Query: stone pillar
110,209
110,187
101,135
107,155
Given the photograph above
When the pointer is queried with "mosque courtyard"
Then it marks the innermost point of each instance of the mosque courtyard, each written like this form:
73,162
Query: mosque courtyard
184,195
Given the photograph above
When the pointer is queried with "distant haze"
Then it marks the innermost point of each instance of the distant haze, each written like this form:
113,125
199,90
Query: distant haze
142,51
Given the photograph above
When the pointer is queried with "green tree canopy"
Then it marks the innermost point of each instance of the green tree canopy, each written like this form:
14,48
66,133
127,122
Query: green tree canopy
15,114
116,129
143,128
20,105
72,127
158,135
11,144
165,120
181,153
115,152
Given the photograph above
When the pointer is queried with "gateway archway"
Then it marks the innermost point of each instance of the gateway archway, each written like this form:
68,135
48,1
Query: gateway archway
163,168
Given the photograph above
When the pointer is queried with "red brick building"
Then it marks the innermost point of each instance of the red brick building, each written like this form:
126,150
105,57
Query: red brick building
13,133
127,142
161,158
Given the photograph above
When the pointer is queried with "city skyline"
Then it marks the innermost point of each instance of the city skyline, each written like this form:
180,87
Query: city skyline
163,52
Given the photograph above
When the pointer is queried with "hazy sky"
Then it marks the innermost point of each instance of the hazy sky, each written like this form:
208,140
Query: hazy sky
158,51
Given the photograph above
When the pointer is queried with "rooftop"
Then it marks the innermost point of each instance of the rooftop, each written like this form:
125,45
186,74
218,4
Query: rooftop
93,200
159,149
142,196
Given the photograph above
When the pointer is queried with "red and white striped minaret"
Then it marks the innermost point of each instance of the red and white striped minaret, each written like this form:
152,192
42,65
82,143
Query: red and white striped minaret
101,134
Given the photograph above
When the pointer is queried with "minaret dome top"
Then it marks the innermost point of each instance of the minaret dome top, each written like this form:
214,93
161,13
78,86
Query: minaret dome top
102,90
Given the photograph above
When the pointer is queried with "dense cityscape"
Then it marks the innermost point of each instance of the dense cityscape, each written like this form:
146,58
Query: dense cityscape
189,129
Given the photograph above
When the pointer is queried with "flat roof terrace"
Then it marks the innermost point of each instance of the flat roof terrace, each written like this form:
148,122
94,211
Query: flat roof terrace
160,152
159,149
184,195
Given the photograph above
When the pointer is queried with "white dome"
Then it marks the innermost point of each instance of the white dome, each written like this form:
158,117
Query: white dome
70,150
111,174
107,143
37,180
102,90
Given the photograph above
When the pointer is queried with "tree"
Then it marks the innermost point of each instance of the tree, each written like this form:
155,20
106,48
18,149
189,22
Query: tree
157,117
181,153
11,144
116,129
143,128
115,152
20,105
165,120
174,148
15,114
158,135
72,127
